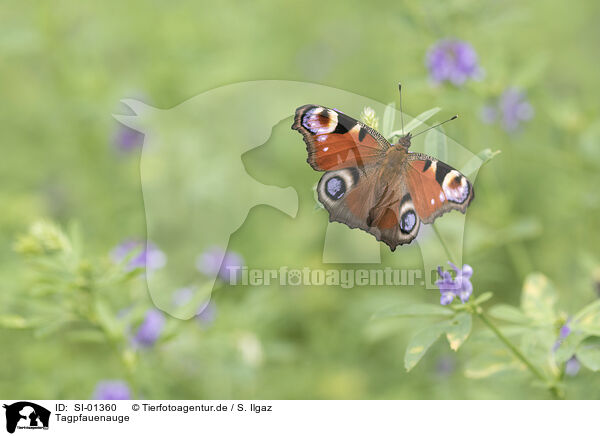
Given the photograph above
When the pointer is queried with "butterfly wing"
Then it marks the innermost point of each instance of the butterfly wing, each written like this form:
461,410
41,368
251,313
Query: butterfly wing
386,199
364,200
436,187
335,141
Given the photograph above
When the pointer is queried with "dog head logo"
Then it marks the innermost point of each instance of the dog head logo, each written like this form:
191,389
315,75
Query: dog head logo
198,190
26,415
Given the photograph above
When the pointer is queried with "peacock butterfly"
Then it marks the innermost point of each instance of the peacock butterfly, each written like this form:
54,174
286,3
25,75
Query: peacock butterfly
373,185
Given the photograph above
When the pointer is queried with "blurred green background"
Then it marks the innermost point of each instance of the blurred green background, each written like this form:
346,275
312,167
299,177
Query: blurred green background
66,66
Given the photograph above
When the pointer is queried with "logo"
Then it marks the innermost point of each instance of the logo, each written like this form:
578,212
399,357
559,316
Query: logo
26,415
208,164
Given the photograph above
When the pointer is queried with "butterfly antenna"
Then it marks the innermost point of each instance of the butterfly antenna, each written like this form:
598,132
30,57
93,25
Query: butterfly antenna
401,114
437,125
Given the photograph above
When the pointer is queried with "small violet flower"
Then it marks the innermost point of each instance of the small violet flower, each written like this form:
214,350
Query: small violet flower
150,329
460,286
111,390
445,365
511,109
572,366
454,61
126,139
206,312
140,255
218,262
563,333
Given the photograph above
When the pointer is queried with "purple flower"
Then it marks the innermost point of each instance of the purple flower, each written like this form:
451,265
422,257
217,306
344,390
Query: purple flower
454,61
460,286
182,296
512,108
150,329
217,262
126,138
564,331
572,366
111,390
206,312
139,255
445,365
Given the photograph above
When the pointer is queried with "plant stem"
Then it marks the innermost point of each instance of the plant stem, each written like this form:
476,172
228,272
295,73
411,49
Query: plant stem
439,235
553,389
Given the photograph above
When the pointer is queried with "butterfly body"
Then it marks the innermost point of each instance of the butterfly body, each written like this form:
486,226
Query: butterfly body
370,184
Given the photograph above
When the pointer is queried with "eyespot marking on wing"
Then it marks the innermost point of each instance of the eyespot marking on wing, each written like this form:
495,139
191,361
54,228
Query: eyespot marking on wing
334,185
335,188
456,187
408,222
319,120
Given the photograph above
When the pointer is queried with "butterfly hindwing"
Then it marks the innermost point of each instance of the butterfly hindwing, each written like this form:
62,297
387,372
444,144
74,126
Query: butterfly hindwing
361,200
335,141
436,187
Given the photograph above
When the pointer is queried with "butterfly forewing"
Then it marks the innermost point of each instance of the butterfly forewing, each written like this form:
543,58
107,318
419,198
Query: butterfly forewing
436,187
335,141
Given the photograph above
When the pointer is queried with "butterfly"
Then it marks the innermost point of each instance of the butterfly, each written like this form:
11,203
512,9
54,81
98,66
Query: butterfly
370,184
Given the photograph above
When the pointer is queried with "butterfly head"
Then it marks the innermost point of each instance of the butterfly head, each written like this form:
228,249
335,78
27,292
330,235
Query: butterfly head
404,141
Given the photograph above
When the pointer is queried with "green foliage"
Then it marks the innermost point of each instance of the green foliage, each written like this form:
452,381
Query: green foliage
543,349
67,310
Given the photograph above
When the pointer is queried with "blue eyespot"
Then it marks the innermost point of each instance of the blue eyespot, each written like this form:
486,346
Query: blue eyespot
335,188
408,221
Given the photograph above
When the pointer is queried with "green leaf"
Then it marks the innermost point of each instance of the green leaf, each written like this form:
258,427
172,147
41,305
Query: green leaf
490,362
408,310
588,319
588,354
88,336
538,298
459,330
13,321
568,346
508,313
49,328
420,119
487,155
510,331
107,319
420,343
416,122
483,298
388,119
537,345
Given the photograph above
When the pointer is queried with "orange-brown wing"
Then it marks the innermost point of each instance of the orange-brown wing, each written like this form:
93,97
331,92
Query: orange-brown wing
335,141
436,188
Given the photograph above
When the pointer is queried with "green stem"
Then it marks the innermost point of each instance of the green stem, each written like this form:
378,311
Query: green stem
439,235
553,389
